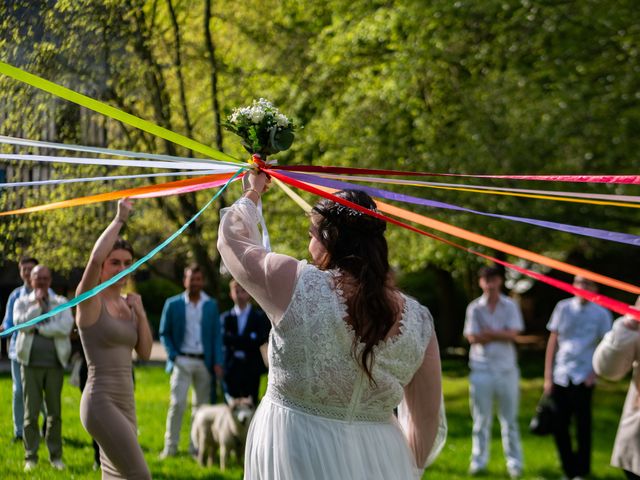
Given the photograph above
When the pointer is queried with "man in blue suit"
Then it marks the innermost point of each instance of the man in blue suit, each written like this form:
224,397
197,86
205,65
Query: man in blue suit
190,333
244,330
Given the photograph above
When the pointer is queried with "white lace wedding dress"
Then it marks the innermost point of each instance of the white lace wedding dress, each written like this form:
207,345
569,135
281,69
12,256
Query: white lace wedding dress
321,418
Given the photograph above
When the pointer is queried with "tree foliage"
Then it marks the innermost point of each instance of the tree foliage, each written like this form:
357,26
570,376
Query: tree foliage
468,87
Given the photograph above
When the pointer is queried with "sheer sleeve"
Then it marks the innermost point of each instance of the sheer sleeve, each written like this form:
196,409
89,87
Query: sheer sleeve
421,413
616,352
270,278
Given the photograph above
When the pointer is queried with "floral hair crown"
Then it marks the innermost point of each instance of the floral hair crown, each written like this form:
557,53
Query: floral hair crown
347,217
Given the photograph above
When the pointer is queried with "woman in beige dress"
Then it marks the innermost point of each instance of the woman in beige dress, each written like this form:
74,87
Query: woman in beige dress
111,326
619,352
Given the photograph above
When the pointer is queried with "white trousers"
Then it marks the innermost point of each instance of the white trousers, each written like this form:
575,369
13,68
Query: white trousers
484,387
186,371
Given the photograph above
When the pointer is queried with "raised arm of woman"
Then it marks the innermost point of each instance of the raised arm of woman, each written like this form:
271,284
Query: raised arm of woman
421,413
89,310
270,278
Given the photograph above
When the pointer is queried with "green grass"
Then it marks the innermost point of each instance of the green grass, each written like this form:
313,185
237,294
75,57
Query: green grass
152,394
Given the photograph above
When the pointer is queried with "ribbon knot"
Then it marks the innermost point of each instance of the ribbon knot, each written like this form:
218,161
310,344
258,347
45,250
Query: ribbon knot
257,161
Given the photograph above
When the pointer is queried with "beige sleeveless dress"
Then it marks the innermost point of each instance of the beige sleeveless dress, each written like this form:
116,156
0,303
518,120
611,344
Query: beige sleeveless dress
107,408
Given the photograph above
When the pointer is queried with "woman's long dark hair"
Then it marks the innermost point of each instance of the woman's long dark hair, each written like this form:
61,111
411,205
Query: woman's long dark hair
356,246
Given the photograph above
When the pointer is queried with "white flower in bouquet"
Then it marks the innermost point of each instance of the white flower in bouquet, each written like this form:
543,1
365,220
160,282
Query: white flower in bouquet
282,120
257,115
263,129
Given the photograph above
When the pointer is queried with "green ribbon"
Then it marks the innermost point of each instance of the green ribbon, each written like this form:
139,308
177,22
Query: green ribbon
109,111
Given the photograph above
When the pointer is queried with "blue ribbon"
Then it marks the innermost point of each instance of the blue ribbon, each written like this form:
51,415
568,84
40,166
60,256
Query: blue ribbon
97,289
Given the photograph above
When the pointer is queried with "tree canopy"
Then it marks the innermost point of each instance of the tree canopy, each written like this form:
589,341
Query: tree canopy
465,87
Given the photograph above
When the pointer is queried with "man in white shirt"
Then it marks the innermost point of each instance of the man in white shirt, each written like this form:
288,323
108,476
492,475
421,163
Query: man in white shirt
576,327
492,323
190,332
244,330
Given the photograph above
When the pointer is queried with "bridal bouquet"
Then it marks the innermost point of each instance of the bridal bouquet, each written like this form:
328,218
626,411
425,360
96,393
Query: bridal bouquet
262,128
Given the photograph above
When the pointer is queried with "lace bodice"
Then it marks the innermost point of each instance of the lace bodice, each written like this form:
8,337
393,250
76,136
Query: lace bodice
311,365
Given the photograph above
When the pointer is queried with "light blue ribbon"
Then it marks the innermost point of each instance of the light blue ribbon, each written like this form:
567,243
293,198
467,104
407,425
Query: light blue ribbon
94,291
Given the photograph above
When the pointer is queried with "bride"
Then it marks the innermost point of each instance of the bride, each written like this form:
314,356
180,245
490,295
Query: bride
346,348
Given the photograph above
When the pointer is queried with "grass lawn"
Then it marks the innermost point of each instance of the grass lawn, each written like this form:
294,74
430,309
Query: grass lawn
152,393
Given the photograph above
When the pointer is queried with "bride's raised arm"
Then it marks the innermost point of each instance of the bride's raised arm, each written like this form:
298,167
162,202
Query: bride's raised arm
270,278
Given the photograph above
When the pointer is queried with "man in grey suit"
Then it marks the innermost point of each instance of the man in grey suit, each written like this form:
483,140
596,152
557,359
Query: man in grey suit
190,333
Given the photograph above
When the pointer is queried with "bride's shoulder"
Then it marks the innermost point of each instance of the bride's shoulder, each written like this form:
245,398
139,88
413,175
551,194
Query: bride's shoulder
417,315
311,278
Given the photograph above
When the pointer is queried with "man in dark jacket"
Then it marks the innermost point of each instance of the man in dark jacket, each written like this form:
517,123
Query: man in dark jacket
244,330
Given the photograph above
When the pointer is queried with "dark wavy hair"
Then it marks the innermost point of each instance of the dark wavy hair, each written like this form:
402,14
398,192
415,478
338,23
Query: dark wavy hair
122,244
356,246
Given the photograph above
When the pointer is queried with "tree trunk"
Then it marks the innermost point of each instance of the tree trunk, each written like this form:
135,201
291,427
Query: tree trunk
187,206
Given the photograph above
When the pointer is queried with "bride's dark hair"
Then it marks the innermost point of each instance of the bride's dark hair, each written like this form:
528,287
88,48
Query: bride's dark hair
356,246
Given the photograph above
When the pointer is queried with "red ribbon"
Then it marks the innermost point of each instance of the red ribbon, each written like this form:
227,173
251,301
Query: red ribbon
603,300
619,179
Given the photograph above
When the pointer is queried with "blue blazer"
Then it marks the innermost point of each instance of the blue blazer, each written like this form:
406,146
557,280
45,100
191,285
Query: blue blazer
172,325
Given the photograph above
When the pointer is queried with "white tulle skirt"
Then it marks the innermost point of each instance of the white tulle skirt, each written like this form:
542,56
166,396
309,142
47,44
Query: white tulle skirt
288,444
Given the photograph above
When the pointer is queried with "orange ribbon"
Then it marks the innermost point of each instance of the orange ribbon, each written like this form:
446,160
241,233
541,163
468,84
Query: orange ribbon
471,236
129,192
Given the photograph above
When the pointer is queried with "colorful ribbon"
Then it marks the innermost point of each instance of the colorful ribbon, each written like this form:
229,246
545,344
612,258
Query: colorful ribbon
106,151
99,288
114,162
603,300
182,190
112,112
376,192
465,234
60,181
294,196
173,187
592,198
618,179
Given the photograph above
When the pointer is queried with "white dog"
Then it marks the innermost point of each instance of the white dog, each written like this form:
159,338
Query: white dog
224,426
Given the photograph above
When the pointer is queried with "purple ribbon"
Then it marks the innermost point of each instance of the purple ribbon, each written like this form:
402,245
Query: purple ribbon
376,192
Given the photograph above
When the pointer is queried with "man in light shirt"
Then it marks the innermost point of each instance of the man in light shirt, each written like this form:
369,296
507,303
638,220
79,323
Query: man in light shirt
576,327
190,332
492,323
43,351
244,330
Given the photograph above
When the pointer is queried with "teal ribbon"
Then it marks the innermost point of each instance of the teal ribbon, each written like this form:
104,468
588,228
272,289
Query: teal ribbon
94,291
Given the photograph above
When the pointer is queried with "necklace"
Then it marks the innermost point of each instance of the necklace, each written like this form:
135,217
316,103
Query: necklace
120,310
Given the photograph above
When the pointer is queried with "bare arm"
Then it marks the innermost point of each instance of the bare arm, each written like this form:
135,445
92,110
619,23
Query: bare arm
89,310
501,335
145,338
480,338
420,412
552,347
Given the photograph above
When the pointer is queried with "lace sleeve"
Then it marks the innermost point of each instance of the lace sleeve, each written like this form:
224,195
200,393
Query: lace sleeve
270,278
421,413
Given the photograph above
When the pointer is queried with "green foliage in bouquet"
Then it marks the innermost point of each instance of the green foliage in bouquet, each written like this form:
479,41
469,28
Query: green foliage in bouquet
262,128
